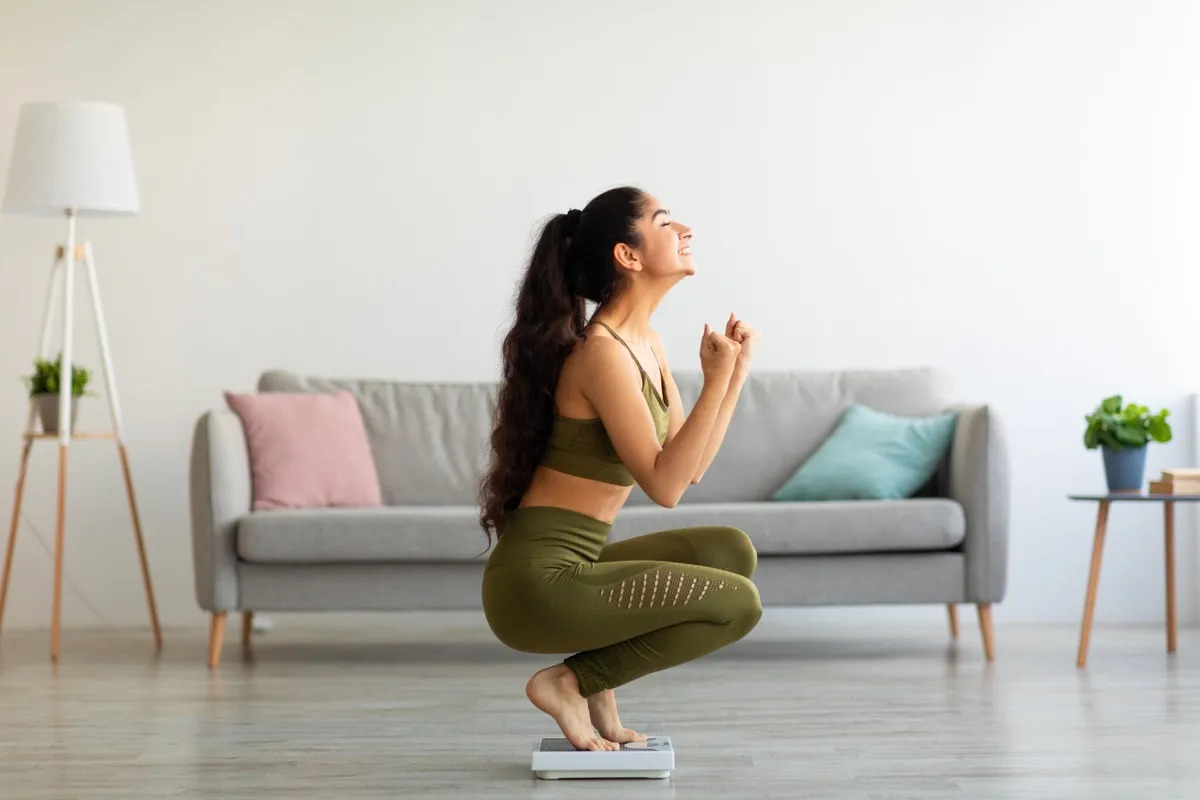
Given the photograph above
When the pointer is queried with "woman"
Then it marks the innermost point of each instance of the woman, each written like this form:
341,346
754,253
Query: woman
585,410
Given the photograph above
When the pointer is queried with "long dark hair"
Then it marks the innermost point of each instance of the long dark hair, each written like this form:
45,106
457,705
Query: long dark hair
572,263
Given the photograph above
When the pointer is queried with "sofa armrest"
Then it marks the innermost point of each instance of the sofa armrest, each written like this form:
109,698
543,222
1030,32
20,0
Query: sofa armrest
978,478
220,493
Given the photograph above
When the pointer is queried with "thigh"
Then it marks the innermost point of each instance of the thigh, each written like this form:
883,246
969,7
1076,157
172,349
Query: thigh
619,600
717,546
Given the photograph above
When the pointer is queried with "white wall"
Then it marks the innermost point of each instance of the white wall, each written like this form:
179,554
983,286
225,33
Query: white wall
1007,190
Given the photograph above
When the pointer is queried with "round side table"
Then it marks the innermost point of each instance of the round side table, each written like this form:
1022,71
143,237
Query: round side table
1105,500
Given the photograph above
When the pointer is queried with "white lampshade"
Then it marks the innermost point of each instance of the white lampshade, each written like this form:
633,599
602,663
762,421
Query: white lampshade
72,156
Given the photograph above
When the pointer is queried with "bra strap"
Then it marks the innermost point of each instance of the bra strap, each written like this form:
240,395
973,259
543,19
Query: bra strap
627,347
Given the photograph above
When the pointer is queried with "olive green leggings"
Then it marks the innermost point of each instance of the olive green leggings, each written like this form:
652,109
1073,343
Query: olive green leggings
553,585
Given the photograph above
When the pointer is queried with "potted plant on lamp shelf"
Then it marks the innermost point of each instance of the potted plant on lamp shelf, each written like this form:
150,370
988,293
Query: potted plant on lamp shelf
1122,433
43,389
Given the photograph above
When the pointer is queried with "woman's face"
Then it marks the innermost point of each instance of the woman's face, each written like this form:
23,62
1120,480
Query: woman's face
666,243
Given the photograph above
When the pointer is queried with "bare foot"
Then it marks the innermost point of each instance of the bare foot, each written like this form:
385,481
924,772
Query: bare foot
556,691
603,709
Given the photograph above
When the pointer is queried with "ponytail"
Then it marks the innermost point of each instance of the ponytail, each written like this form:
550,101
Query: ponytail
549,320
571,263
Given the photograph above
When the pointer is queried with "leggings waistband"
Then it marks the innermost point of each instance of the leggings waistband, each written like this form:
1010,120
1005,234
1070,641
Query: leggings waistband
551,532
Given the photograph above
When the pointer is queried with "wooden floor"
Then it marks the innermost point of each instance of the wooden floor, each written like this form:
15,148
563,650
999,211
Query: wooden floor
429,706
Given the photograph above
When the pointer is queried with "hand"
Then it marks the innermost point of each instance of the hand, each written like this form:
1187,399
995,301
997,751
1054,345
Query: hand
747,339
718,356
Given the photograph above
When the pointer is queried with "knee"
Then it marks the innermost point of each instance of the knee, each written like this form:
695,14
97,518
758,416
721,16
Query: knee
747,607
740,555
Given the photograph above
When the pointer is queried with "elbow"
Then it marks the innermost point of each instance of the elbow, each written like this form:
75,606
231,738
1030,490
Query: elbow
667,499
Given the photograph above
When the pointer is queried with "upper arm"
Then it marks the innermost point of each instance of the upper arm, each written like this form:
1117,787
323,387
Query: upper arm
612,384
674,401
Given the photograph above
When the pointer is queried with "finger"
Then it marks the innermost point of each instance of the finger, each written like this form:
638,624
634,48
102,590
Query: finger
730,324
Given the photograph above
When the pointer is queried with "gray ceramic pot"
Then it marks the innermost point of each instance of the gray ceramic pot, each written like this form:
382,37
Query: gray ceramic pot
47,406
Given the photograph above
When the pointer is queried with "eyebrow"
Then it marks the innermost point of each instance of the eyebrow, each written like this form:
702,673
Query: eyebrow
659,211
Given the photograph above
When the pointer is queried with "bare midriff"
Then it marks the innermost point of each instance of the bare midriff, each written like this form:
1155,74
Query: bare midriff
596,499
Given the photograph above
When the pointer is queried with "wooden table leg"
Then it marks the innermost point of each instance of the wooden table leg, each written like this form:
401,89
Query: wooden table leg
1169,547
1089,604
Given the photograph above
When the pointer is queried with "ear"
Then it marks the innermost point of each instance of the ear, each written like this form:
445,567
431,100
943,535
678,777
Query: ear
627,258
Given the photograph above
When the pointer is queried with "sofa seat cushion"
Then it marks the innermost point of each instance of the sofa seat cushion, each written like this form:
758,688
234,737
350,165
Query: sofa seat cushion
391,533
451,533
804,528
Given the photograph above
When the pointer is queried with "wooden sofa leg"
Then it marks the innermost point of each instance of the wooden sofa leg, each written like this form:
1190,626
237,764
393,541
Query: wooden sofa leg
214,639
985,627
247,627
953,611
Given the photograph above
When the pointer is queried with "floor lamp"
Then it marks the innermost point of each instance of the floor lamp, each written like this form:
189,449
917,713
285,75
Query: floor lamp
72,160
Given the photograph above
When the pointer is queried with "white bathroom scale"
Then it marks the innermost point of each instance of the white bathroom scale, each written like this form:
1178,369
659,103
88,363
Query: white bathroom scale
554,758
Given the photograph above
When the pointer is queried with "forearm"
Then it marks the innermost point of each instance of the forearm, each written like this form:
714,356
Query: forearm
717,435
681,457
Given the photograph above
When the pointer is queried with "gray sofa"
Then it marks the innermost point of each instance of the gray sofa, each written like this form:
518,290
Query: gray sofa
424,549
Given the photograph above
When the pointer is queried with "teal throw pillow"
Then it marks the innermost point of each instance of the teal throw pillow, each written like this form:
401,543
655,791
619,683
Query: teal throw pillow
872,455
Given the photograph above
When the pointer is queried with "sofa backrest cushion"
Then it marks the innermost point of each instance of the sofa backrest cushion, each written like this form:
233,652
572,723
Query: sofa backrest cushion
783,417
430,440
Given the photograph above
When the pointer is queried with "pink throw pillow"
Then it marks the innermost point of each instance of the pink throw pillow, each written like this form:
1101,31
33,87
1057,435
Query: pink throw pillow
307,450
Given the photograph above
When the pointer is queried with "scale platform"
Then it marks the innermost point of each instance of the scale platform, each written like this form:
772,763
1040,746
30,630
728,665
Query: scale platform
554,758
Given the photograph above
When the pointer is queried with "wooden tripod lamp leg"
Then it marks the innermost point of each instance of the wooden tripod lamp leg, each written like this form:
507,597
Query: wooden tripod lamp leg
16,523
52,291
60,525
141,546
114,410
65,397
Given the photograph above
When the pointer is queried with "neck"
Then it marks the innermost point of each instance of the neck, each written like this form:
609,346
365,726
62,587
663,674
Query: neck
630,312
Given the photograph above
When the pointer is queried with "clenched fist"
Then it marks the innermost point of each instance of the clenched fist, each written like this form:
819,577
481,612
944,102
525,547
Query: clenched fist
718,356
746,338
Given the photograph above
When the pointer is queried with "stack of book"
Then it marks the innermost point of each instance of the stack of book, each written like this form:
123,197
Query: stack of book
1177,481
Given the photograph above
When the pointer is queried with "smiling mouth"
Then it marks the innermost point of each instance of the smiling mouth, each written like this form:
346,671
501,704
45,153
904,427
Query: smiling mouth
685,251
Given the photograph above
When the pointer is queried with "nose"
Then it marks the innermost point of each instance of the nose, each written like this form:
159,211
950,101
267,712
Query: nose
683,230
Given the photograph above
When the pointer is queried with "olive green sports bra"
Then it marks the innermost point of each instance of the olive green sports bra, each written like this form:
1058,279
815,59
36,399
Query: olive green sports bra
581,446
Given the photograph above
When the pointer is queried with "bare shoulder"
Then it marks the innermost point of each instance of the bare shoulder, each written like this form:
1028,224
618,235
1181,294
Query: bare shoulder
600,359
597,365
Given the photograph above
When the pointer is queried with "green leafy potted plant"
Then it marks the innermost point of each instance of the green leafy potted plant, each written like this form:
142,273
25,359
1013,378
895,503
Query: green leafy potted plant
43,389
1122,433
